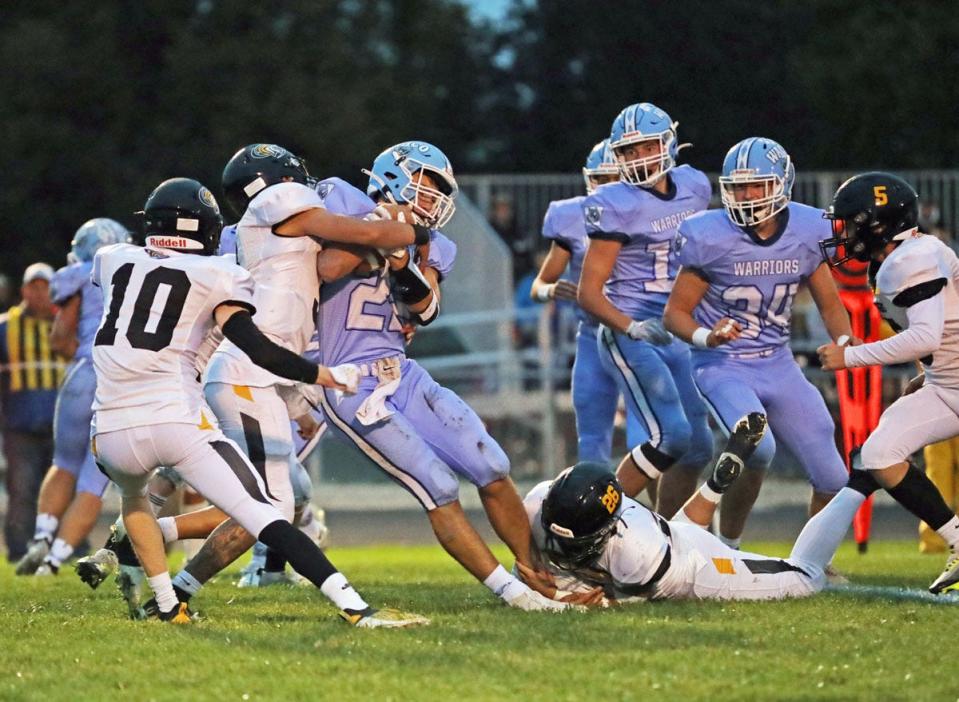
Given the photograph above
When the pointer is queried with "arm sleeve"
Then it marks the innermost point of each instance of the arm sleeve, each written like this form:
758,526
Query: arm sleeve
241,330
921,338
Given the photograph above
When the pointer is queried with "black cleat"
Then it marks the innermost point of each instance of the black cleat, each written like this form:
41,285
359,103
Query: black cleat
742,442
181,614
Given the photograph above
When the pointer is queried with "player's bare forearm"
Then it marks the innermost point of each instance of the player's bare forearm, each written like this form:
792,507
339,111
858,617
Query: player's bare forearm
699,510
597,267
688,291
228,542
822,287
384,234
547,285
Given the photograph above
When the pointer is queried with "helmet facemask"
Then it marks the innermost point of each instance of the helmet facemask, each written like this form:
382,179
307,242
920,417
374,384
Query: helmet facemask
749,213
570,552
440,199
646,171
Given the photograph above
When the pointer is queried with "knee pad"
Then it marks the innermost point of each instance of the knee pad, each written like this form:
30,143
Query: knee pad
677,440
762,458
875,454
495,464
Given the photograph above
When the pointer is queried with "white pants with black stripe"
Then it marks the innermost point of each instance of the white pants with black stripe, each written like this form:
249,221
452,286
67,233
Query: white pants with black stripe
209,462
257,419
703,567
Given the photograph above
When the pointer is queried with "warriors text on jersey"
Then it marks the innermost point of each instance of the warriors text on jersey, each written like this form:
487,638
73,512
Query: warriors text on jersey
645,222
752,280
158,311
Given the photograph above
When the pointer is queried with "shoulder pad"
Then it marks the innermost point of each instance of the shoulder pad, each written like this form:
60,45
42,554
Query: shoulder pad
339,197
914,262
68,281
563,215
278,203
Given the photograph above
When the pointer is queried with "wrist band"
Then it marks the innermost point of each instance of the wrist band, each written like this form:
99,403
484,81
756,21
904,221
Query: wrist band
421,234
701,338
544,292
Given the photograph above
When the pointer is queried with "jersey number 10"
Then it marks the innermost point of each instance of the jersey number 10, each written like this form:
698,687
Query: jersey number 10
178,287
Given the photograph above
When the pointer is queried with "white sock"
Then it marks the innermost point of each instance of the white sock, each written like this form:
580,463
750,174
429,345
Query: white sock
950,532
505,585
187,582
157,502
163,589
168,527
46,527
59,552
339,591
732,543
819,539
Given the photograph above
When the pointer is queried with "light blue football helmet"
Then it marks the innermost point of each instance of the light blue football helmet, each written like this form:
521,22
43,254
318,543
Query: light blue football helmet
397,176
644,122
756,160
93,234
600,162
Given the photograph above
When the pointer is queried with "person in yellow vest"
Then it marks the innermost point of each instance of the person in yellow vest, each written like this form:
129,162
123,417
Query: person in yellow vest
942,467
29,376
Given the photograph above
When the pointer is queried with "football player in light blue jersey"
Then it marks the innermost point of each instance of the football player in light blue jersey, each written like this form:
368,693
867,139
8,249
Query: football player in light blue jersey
595,393
418,432
741,269
69,501
627,274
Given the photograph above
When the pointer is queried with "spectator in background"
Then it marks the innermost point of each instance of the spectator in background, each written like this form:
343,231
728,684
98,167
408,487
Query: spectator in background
502,217
29,376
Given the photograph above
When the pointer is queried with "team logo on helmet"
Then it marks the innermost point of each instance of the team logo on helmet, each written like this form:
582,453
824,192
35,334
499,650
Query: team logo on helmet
266,151
206,197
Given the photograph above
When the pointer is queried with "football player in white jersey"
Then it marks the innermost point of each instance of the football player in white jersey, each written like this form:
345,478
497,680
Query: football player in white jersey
916,277
600,542
281,221
161,302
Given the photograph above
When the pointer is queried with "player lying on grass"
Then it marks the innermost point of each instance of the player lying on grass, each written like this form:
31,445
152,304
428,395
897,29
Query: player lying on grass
149,408
875,219
600,544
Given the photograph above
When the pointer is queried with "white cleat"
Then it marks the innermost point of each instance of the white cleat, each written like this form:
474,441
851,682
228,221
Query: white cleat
94,569
45,570
948,581
37,550
532,601
386,618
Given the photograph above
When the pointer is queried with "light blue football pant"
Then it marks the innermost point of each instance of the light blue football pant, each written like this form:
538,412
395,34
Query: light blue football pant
657,383
71,428
797,415
595,396
430,438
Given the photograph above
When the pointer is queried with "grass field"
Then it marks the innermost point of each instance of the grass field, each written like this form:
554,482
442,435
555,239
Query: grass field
61,641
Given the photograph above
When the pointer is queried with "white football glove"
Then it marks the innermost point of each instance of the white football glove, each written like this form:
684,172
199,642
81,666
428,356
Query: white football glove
347,374
649,330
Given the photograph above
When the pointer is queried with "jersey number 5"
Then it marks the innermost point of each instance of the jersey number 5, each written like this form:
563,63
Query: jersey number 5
176,285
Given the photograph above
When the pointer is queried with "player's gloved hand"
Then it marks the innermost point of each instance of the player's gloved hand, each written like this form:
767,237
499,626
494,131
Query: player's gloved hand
649,330
345,377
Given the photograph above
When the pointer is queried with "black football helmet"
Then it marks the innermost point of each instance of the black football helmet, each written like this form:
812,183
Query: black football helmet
579,514
867,212
255,167
181,214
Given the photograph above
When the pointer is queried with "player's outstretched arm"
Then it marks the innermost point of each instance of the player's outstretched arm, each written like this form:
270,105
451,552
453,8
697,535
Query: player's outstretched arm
547,285
338,260
922,337
688,291
63,333
824,293
382,233
237,325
